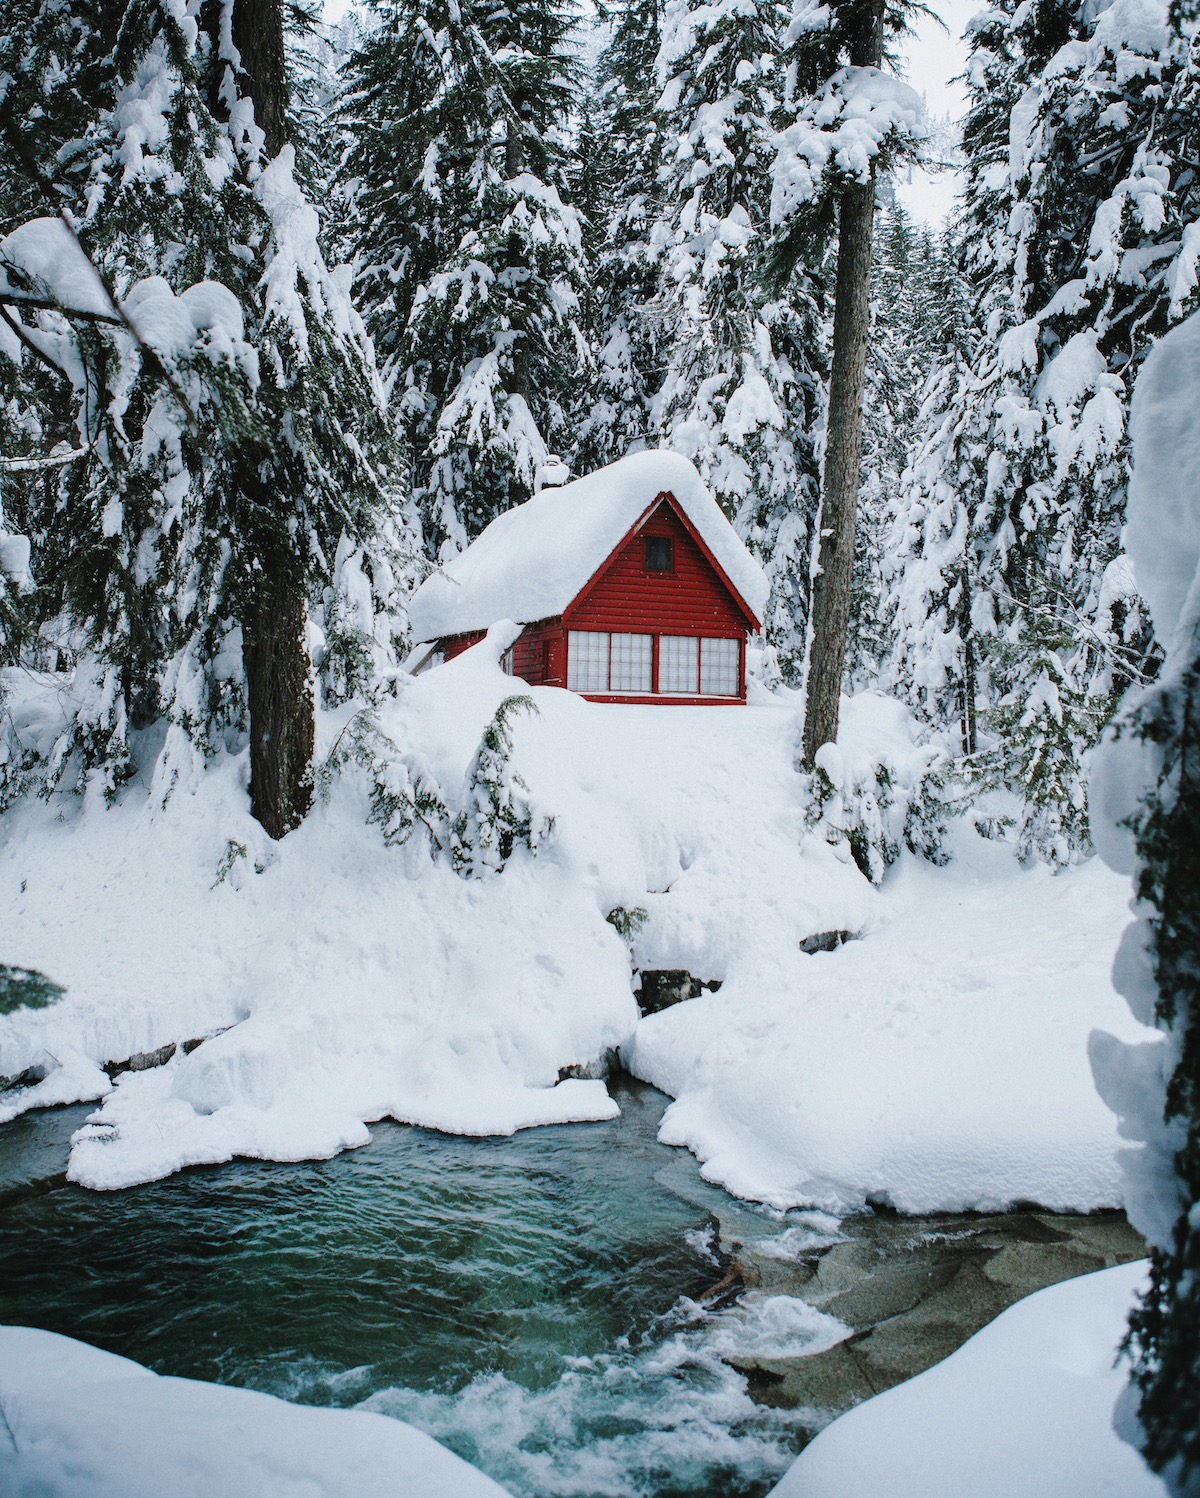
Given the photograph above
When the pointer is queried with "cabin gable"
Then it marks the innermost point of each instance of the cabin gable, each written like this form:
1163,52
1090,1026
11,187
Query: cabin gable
658,621
691,597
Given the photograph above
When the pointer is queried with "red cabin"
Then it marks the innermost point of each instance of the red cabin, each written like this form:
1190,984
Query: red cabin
631,584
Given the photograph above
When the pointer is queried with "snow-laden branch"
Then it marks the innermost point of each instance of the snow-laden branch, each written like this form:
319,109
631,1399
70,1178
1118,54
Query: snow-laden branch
859,116
34,465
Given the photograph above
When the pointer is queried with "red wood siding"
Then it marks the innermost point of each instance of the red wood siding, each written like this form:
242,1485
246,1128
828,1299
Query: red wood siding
539,655
456,644
691,599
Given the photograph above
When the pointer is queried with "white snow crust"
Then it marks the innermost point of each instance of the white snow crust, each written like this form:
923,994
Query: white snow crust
78,1420
1162,536
1025,1407
938,1062
534,559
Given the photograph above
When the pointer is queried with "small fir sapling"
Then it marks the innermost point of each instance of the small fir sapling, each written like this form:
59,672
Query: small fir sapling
23,988
498,816
494,816
875,810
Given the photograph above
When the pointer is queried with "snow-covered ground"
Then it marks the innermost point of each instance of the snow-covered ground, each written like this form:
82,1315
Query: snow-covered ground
1025,1407
76,1420
939,1062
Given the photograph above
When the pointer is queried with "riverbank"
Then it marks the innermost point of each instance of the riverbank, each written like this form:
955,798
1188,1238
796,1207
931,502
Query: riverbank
936,1061
542,1305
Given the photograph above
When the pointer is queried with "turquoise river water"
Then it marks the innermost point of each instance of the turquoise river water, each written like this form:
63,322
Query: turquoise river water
529,1301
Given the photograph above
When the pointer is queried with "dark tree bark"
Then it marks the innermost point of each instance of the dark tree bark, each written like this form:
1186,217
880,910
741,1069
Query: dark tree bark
843,439
258,37
281,713
274,650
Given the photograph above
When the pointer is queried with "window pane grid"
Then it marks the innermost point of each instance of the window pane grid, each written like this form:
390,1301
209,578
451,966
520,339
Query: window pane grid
687,666
587,661
678,664
719,668
630,668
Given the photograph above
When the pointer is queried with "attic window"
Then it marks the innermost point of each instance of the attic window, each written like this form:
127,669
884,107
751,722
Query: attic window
658,554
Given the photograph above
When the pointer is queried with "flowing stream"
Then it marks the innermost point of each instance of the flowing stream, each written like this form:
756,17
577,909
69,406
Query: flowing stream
531,1302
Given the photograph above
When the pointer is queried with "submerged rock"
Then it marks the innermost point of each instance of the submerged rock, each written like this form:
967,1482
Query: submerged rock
914,1289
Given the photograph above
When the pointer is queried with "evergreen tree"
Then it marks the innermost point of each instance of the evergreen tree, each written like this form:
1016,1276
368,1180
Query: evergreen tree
741,393
1080,235
622,144
470,255
224,394
900,355
845,120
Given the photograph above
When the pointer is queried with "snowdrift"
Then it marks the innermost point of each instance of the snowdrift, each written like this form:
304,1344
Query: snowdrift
1026,1406
86,1421
935,1062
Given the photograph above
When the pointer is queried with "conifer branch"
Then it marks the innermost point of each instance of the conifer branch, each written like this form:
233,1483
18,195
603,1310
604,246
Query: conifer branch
150,357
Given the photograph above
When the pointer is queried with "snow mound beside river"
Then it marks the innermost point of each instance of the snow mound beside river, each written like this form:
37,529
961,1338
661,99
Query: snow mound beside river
936,1062
1025,1407
85,1421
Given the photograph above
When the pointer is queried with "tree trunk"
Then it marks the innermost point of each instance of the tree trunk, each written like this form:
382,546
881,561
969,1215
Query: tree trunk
274,649
275,656
843,438
258,37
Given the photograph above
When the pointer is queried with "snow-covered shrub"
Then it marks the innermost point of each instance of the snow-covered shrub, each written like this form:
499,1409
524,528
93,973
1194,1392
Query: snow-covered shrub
498,816
22,988
494,817
405,798
1041,733
877,807
1146,795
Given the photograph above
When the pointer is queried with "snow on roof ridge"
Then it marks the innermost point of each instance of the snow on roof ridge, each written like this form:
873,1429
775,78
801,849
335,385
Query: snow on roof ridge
535,558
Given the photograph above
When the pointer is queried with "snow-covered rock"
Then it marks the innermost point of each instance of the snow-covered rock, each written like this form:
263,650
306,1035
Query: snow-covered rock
78,1420
1025,1407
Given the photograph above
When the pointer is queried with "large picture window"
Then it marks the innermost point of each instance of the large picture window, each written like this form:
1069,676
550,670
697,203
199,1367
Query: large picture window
624,663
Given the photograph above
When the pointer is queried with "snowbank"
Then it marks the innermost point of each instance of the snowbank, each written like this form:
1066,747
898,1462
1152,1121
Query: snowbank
77,1420
938,1062
534,559
1025,1407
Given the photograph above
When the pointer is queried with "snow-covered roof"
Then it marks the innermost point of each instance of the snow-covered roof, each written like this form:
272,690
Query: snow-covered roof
534,559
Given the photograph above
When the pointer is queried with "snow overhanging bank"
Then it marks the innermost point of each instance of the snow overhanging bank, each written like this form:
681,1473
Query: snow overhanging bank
937,1063
82,1420
1026,1406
